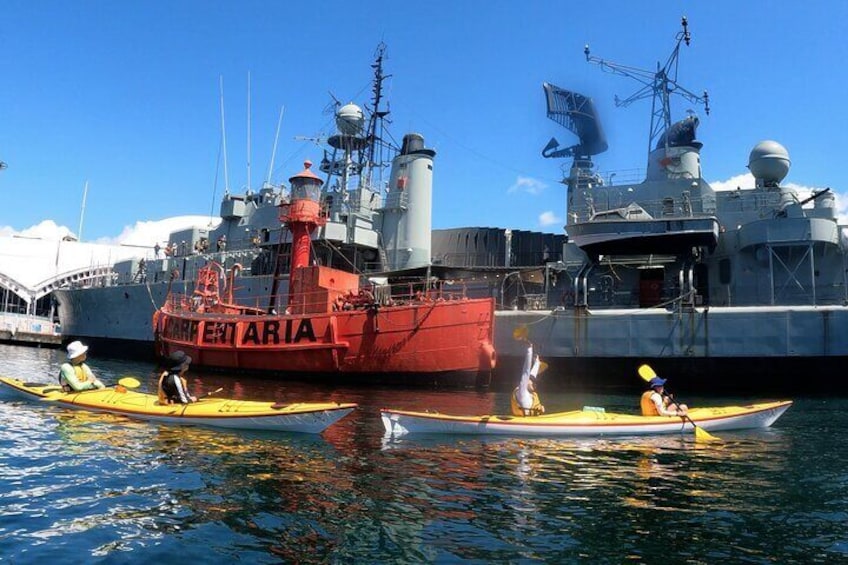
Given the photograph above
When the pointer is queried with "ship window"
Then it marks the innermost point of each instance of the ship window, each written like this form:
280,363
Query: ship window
724,271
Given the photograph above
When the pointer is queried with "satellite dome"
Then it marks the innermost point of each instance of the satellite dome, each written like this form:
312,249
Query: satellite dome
769,162
350,119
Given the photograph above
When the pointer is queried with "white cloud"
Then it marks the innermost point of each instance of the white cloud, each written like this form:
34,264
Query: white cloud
528,185
47,229
743,181
147,234
141,234
549,219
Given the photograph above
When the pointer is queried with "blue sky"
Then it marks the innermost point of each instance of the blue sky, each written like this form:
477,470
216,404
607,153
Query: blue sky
124,95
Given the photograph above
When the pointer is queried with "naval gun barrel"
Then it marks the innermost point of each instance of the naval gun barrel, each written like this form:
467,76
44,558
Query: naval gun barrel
814,196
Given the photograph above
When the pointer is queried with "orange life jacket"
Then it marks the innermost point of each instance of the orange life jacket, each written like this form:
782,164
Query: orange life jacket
648,406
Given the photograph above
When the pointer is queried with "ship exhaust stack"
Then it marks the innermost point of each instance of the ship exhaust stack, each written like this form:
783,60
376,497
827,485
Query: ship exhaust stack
407,218
677,154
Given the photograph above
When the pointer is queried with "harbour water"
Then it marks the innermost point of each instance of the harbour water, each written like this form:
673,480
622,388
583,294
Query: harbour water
83,488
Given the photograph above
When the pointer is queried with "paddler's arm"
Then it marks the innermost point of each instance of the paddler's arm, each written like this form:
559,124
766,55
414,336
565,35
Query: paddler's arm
95,382
70,376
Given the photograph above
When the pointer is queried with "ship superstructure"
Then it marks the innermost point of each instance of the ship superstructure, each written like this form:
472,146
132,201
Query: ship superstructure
748,284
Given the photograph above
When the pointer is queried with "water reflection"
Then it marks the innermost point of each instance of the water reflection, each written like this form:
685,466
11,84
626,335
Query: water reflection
90,485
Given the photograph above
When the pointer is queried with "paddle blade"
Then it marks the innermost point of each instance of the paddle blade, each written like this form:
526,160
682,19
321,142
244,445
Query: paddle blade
646,372
703,435
129,382
521,332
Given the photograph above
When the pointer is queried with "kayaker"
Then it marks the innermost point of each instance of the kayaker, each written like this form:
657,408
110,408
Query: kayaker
75,375
655,401
524,400
173,388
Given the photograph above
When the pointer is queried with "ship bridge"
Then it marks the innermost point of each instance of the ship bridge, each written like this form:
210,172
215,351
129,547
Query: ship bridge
30,269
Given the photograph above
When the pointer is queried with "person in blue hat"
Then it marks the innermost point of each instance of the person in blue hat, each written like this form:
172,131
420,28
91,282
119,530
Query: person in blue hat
655,401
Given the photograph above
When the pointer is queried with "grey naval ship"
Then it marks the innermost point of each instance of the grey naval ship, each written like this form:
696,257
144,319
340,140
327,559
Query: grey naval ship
741,291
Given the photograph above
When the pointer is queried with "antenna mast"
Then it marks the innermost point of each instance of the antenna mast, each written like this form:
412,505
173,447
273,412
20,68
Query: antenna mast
248,131
274,149
224,138
82,211
658,85
377,115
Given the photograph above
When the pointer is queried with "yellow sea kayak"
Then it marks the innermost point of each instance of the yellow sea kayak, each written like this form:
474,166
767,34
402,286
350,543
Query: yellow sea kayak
218,412
586,422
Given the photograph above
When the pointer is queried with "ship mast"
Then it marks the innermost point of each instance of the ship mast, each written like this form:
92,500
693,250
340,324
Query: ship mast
658,85
373,153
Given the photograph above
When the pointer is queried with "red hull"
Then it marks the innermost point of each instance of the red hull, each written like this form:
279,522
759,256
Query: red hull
427,337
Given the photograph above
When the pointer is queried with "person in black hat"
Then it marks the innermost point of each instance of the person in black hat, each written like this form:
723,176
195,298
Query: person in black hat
173,388
524,400
655,402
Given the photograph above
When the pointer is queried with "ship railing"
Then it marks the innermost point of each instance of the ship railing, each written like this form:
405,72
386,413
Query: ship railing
372,295
607,199
604,178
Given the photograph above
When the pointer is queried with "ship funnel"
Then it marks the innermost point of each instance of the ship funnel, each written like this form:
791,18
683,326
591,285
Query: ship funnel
413,143
409,202
769,163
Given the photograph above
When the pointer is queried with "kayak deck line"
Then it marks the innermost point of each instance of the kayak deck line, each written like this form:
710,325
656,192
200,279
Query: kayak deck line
585,422
218,412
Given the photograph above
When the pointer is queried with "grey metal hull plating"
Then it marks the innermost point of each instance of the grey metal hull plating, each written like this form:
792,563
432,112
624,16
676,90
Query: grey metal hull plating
717,349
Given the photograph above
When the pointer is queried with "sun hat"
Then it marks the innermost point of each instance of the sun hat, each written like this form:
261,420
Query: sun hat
656,381
179,360
75,349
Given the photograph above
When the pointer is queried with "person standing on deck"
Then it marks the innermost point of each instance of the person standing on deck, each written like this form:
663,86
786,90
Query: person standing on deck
75,375
524,400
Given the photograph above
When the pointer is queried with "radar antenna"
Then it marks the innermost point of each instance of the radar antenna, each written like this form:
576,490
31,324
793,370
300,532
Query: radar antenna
658,85
576,113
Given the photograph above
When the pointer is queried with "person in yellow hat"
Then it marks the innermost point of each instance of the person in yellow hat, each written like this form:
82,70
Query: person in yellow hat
75,375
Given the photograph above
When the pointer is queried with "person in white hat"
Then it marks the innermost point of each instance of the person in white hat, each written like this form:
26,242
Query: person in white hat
75,375
525,399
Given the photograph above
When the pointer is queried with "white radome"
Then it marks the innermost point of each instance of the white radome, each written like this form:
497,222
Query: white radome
350,119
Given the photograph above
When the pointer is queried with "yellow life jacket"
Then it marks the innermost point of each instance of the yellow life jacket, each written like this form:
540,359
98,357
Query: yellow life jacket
163,399
535,408
80,373
648,406
513,404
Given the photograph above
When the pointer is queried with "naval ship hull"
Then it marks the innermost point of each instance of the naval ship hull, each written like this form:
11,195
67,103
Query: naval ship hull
704,350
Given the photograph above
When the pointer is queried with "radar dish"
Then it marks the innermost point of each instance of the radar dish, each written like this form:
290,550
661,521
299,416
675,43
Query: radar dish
577,114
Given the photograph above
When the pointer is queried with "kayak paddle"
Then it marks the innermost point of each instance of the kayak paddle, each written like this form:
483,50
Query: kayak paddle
647,373
126,382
